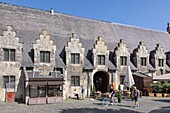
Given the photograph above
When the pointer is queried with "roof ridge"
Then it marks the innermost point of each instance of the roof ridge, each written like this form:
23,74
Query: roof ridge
137,27
73,16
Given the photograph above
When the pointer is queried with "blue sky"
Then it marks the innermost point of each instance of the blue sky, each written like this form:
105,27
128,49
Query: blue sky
152,14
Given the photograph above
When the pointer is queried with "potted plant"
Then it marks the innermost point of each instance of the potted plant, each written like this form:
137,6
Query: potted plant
157,88
119,94
132,92
165,86
153,87
150,90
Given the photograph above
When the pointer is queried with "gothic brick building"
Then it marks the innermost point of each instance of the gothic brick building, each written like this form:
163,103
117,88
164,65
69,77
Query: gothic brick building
45,54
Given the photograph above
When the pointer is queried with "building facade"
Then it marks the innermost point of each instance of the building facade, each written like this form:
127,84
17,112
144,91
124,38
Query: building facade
43,55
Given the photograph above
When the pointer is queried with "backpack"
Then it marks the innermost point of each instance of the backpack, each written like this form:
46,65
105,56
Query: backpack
136,93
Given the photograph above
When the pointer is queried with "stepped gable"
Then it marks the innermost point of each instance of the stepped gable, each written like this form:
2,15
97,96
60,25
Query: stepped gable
29,22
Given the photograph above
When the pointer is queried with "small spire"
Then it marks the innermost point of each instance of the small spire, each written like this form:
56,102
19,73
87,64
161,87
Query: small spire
52,11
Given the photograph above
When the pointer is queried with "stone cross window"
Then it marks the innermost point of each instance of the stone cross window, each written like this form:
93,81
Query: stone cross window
9,54
75,80
9,81
101,59
45,56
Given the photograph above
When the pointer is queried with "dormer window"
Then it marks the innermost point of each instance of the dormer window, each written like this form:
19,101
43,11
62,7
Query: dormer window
160,62
45,56
9,54
75,58
123,60
101,59
143,61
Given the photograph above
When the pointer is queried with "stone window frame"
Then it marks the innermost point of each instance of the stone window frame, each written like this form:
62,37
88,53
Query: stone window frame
75,58
8,80
123,60
101,59
122,77
10,57
75,80
160,62
43,59
143,61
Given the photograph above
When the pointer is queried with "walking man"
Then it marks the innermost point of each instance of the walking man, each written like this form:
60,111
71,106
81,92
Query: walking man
136,97
82,92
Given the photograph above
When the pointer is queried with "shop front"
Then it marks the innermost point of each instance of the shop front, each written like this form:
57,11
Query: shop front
44,90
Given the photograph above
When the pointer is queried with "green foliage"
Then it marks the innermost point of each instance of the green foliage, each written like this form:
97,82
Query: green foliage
157,87
166,86
94,88
132,92
119,94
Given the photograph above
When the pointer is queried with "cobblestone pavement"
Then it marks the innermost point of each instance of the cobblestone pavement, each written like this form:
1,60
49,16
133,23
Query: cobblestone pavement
147,105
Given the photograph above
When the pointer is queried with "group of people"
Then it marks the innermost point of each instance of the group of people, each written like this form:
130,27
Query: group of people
136,96
82,93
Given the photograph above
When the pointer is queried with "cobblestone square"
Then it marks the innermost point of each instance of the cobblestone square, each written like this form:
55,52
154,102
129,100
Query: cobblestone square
147,105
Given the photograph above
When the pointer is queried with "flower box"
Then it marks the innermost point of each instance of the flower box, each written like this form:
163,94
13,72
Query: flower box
151,94
158,94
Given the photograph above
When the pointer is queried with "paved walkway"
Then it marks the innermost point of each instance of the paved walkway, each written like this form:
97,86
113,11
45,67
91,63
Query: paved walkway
147,105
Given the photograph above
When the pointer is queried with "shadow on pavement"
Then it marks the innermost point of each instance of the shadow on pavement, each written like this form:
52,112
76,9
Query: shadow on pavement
163,100
115,104
95,110
163,110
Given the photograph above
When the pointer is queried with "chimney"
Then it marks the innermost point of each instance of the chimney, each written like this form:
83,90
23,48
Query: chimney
52,11
168,28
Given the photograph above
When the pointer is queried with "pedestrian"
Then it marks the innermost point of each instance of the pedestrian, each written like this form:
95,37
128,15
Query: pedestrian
136,97
76,94
82,92
112,93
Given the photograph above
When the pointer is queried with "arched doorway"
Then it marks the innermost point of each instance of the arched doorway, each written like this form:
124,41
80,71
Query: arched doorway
101,81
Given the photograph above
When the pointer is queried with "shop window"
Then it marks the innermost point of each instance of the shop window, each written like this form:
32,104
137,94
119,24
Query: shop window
160,62
45,56
33,91
101,59
54,90
143,61
123,60
37,91
75,80
9,54
9,81
75,58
